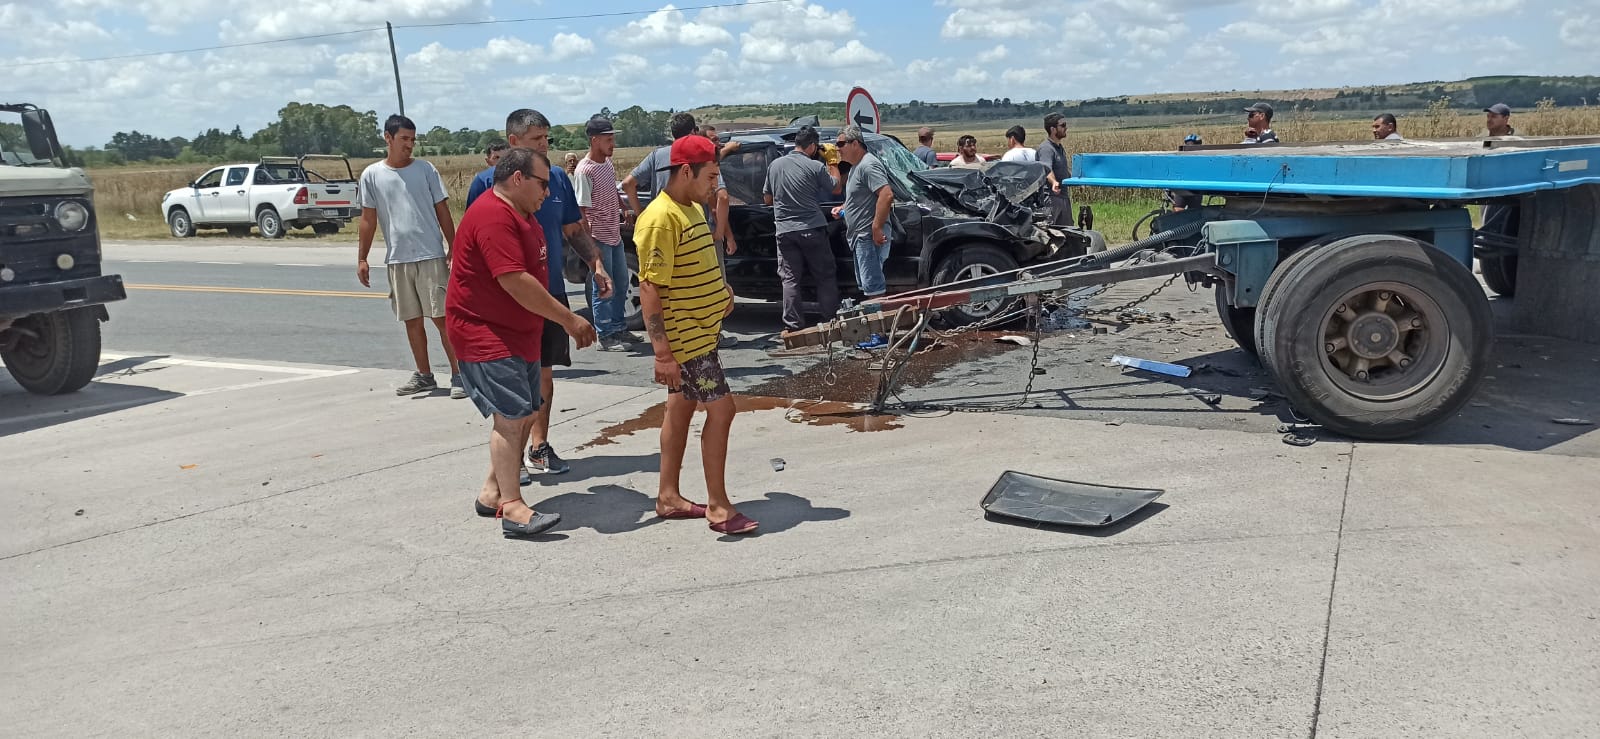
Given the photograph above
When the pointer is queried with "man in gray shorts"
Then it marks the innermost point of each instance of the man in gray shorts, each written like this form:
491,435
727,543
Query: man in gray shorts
407,197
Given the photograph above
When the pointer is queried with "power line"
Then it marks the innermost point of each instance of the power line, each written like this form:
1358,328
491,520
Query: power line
592,15
315,36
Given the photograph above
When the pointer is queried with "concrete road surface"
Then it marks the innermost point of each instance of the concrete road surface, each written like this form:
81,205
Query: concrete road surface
215,543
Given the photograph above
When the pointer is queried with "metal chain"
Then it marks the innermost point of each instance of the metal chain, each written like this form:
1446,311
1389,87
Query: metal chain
1132,303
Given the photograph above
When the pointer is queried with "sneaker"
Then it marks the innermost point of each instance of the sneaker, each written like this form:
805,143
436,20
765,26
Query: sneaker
630,337
419,383
611,343
543,459
457,390
873,342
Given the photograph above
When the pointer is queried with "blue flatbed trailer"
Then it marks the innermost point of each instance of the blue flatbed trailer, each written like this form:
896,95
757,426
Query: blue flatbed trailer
1347,267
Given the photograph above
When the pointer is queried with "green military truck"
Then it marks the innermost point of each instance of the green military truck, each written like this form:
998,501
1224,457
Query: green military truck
52,293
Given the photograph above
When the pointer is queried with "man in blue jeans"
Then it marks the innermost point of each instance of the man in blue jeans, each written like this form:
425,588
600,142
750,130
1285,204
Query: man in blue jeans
595,182
867,200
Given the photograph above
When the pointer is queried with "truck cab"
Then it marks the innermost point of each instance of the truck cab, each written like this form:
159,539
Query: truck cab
52,292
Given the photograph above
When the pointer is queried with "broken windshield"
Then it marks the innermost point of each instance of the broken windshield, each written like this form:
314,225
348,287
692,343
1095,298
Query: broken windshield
900,164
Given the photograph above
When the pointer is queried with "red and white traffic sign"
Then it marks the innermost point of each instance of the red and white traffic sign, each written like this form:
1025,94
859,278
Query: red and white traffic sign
862,110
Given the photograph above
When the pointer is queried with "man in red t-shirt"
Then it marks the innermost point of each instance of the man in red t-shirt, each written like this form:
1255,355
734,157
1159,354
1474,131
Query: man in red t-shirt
495,309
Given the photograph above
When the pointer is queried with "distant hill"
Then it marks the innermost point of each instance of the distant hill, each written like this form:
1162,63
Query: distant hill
1520,92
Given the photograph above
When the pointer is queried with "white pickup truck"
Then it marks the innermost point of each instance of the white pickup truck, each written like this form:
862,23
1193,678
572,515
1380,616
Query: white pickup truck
276,195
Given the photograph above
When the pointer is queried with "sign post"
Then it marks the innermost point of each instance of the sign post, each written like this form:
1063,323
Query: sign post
860,109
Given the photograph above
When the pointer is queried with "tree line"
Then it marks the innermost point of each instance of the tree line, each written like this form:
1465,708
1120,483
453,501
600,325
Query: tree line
312,128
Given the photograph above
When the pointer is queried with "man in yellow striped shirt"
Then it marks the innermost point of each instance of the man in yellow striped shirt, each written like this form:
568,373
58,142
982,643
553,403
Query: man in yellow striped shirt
685,299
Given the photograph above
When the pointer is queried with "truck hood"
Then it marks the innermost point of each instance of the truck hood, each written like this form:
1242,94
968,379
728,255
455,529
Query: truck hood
16,181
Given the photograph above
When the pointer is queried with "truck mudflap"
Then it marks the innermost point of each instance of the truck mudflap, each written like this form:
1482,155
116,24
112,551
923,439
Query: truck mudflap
46,297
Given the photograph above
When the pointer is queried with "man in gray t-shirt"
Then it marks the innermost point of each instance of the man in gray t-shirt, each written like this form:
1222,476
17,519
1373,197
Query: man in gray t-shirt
407,198
793,187
1053,155
867,201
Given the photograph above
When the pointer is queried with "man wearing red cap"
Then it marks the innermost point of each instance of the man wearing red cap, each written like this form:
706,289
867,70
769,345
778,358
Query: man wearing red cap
684,300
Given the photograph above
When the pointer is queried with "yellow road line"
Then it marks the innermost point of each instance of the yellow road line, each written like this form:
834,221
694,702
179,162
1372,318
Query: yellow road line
258,291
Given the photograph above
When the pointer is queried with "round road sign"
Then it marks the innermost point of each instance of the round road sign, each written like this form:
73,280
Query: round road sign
862,110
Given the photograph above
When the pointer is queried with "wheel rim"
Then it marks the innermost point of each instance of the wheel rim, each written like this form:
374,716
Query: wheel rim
180,223
1384,341
973,272
30,358
269,224
635,305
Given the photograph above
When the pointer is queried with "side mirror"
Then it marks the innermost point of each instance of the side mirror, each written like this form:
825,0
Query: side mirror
40,133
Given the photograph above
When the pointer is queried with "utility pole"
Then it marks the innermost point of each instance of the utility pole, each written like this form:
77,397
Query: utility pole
395,60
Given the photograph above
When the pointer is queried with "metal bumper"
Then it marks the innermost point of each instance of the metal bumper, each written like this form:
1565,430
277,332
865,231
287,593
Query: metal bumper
47,297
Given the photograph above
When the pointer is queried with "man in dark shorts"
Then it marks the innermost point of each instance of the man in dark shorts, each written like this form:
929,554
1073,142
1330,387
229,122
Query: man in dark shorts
495,313
562,221
685,299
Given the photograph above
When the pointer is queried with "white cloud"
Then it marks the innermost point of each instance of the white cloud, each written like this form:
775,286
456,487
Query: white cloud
819,53
668,27
1579,32
1326,40
1023,77
991,24
992,55
717,66
970,76
919,68
569,46
296,17
797,20
1253,31
1302,10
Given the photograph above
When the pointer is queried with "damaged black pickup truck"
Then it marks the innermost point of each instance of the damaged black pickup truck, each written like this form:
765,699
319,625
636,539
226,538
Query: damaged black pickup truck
957,224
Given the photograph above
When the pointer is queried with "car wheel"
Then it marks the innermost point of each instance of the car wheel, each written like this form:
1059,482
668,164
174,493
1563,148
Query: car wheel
179,222
325,229
269,223
58,352
975,262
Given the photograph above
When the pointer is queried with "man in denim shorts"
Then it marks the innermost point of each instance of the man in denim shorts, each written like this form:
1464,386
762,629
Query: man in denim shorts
867,200
685,299
495,312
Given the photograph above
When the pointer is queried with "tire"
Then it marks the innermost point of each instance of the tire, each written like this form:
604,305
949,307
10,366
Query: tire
972,261
180,223
1428,320
61,357
269,223
239,232
1240,323
325,229
1500,274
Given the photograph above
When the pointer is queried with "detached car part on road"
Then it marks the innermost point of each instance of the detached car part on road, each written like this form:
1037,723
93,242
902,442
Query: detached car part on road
274,196
52,294
954,224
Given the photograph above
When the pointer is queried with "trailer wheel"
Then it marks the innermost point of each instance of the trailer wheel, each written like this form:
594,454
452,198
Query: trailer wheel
56,353
970,262
1374,337
1500,274
1240,323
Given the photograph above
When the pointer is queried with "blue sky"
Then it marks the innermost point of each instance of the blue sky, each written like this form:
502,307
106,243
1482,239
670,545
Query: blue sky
804,50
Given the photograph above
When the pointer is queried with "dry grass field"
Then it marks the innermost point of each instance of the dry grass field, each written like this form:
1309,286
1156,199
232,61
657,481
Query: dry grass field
136,190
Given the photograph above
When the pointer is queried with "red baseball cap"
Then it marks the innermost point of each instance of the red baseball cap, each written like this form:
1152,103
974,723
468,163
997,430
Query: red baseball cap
693,150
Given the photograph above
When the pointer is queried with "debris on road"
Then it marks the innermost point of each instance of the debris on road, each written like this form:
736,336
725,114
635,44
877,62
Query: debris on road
1206,397
1295,438
1572,421
1018,340
1045,500
187,466
1151,365
78,512
777,464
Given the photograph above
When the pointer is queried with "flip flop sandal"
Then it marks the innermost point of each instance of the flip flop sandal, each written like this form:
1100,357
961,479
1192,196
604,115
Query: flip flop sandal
695,511
739,524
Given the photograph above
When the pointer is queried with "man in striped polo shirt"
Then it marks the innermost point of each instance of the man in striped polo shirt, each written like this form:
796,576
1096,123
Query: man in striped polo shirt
595,183
685,299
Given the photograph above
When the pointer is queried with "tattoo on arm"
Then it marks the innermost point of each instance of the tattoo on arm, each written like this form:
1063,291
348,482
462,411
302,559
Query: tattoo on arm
582,243
656,325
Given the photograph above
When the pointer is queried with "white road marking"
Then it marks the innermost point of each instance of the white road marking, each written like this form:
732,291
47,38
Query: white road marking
223,263
295,264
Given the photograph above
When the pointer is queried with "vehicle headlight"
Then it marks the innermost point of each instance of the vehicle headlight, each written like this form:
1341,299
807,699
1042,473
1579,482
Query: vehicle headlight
72,216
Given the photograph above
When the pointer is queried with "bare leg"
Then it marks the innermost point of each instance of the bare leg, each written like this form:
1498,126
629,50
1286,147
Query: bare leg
540,433
417,336
674,438
502,488
714,455
449,351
